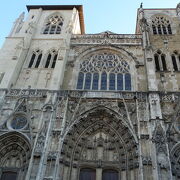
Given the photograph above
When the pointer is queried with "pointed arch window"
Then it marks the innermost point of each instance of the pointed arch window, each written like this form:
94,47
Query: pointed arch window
95,81
104,72
80,81
127,82
175,61
51,59
161,25
160,61
112,80
88,81
53,25
104,81
35,59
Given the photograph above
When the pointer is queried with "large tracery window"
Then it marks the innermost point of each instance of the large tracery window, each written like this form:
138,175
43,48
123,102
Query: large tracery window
104,71
161,25
160,61
35,59
53,25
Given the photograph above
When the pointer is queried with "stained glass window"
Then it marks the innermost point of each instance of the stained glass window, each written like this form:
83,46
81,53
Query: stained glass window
95,81
120,82
127,82
88,81
18,122
112,81
103,81
80,81
103,71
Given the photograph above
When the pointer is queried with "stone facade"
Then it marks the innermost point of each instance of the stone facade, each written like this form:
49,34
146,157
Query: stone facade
78,106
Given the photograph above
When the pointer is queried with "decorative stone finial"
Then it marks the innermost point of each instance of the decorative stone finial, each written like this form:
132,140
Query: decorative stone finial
141,6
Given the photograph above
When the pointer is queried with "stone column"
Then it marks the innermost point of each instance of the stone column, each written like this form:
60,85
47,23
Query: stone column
99,174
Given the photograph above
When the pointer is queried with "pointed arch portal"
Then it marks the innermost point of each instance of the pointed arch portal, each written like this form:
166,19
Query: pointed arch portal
100,139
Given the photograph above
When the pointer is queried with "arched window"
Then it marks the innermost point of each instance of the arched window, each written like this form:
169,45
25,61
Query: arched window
38,61
88,81
104,81
112,80
175,61
161,25
53,25
80,81
160,61
110,175
87,174
51,59
32,60
104,72
35,59
120,82
127,82
95,81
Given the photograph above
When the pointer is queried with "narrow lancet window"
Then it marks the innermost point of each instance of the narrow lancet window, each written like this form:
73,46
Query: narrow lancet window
80,81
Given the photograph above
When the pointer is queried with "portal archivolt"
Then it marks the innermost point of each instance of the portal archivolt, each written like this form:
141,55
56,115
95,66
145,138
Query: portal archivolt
99,140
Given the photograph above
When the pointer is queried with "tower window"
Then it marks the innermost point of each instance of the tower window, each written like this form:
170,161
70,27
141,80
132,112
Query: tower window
104,72
35,59
53,25
161,25
175,61
51,59
160,61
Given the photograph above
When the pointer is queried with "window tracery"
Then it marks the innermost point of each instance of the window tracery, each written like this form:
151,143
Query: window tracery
35,59
51,59
160,61
53,25
104,71
161,25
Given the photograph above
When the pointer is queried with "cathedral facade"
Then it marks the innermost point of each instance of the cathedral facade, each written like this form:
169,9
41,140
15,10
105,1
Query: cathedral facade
76,106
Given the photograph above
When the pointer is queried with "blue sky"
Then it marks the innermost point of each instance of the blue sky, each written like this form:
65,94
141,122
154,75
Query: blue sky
118,16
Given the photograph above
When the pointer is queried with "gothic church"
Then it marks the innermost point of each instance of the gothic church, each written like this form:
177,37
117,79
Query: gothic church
76,106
